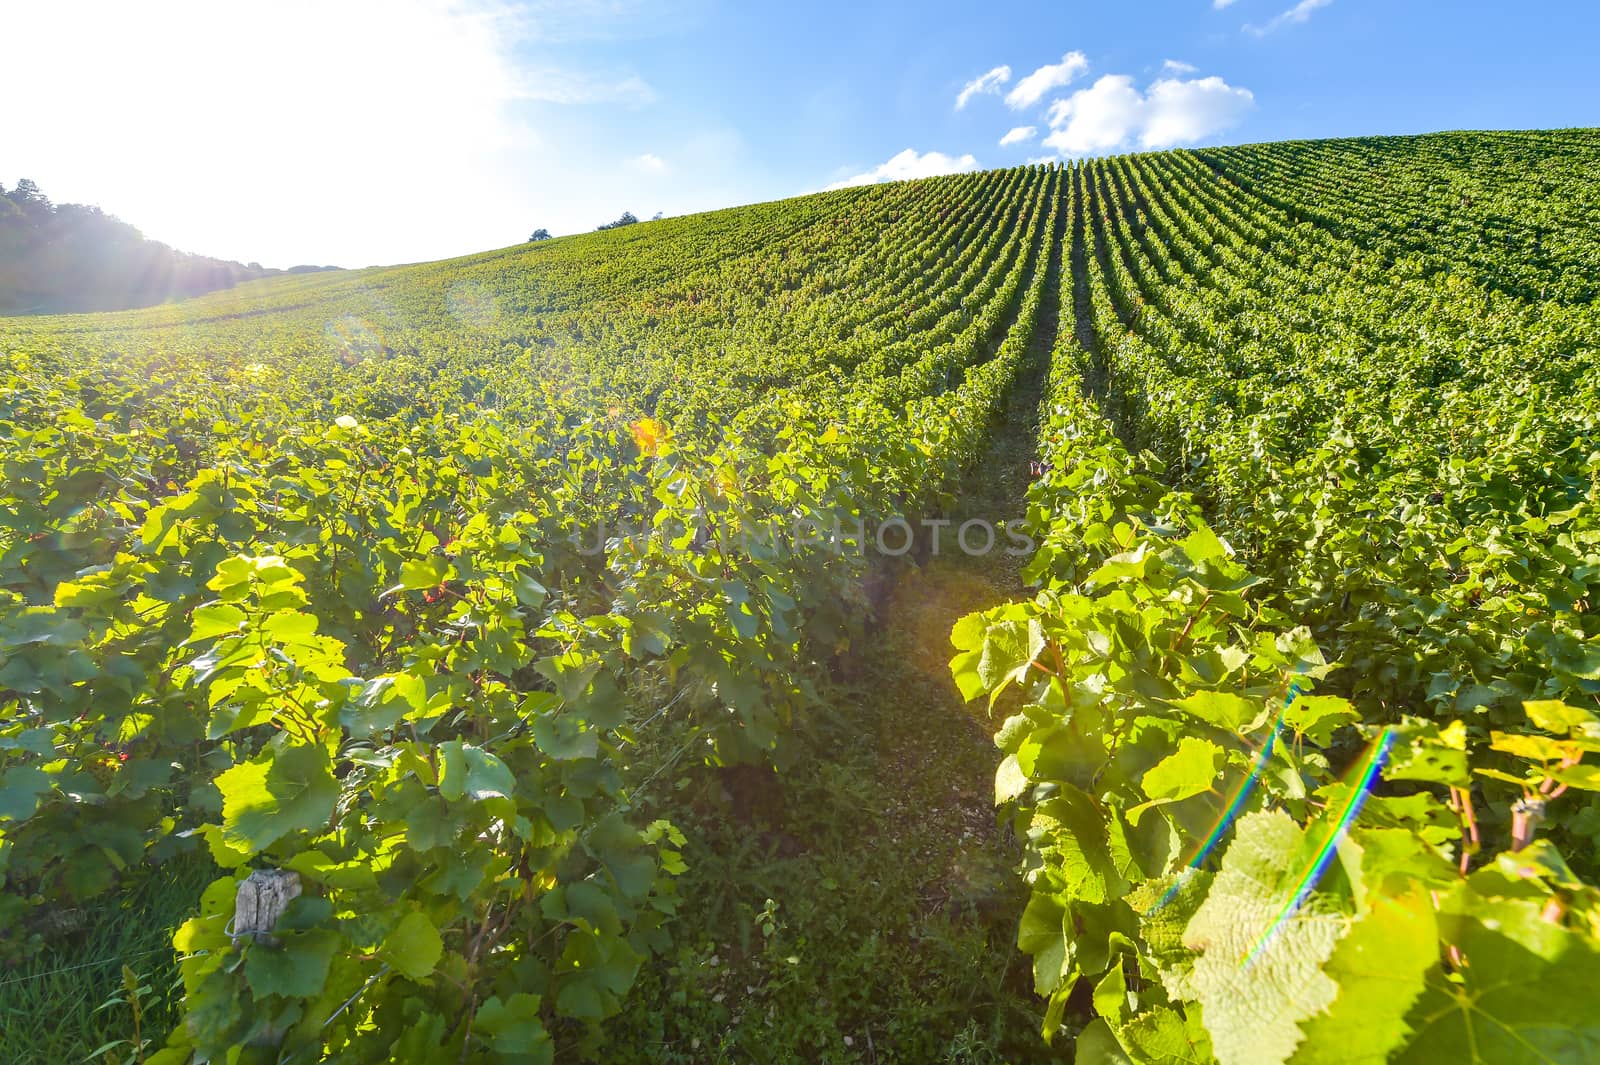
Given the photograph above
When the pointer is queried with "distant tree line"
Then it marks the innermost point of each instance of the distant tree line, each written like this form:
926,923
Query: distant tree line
628,218
73,257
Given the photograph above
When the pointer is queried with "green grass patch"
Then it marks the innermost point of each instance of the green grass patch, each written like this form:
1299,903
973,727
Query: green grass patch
66,1000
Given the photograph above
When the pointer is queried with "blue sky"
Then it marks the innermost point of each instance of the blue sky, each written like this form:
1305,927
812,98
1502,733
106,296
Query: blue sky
374,131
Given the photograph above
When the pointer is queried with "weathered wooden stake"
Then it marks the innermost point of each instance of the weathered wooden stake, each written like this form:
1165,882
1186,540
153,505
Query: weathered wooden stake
261,900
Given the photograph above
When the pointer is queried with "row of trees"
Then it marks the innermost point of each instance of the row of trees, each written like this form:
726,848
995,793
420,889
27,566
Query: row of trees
75,257
628,218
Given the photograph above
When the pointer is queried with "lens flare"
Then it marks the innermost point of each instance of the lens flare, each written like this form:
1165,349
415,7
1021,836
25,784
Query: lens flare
1366,776
649,435
1231,812
474,305
1246,789
353,339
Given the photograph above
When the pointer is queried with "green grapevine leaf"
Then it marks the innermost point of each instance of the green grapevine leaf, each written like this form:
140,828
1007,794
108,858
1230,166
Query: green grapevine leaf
20,788
271,796
414,947
1254,1001
1009,648
1379,967
1155,1034
1043,936
1553,715
513,1027
1009,780
1097,1045
216,619
1524,996
1074,838
1224,709
1189,771
418,574
466,770
294,967
1316,717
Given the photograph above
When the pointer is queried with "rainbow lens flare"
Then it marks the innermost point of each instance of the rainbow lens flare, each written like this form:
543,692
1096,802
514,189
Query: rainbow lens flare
1307,881
1231,813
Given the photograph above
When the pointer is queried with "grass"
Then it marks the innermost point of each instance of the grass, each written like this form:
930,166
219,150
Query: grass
864,910
56,1005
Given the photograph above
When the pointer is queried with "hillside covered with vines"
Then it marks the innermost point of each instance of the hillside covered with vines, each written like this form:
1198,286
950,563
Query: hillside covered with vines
456,589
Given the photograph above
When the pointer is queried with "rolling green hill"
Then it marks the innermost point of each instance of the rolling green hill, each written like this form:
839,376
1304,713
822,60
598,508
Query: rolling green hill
571,620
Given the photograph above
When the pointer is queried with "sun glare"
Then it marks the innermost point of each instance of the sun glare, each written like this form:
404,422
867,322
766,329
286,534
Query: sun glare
280,132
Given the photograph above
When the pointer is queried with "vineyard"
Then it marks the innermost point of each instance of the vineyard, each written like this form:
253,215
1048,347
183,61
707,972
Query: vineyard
567,632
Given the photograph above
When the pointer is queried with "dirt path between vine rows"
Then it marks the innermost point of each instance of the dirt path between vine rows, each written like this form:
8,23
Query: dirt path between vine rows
1082,309
892,889
940,750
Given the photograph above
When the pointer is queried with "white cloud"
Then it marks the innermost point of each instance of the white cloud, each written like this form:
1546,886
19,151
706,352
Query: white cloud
649,162
1030,89
983,83
908,164
1176,66
1102,116
571,21
1220,4
1182,112
1018,135
571,87
1292,17
1113,113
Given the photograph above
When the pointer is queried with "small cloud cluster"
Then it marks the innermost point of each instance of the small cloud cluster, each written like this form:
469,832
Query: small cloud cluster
909,164
1292,17
574,87
1114,112
983,83
1030,89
